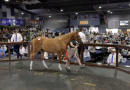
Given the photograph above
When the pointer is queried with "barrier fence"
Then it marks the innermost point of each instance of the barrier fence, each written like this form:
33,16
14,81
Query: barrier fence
125,68
120,66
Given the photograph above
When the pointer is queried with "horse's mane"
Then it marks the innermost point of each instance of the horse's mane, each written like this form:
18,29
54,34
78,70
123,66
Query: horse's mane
66,36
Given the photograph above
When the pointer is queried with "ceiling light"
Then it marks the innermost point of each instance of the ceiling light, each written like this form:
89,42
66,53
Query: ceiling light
120,7
49,16
22,13
6,0
76,13
129,4
108,11
100,7
111,12
61,10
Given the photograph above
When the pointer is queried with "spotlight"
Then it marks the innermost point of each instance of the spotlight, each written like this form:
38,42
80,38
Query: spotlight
100,7
61,10
6,0
76,13
111,12
49,16
22,13
108,11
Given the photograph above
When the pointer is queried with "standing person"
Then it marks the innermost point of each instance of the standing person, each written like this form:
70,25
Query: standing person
17,37
72,51
83,38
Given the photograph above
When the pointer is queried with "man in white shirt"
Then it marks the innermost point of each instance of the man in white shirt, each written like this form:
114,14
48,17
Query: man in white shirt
17,37
112,57
82,35
83,38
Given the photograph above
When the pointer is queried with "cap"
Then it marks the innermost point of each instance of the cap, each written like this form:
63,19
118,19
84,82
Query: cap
113,49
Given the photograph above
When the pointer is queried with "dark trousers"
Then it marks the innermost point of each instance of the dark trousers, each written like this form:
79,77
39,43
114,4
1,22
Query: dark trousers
16,50
84,47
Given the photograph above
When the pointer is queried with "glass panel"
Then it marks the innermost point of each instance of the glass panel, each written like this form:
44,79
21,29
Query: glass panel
21,54
99,55
4,52
125,61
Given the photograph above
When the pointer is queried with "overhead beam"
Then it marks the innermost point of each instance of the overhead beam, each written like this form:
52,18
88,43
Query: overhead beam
70,3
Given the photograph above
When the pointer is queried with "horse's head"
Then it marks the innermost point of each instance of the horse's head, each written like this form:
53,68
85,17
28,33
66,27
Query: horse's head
78,38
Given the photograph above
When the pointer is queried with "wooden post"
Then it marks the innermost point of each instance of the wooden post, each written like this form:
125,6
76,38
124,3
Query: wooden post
116,56
9,52
29,50
81,53
53,56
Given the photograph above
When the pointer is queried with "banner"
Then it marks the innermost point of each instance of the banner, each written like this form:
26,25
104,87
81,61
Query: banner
33,22
12,22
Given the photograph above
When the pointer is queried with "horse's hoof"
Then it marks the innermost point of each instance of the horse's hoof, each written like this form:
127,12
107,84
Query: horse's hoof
60,69
68,69
31,69
47,68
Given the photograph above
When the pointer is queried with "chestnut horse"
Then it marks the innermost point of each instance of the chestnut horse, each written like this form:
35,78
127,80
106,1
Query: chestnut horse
56,45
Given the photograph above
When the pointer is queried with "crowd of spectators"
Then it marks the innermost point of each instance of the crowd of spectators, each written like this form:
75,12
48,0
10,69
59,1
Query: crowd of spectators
89,51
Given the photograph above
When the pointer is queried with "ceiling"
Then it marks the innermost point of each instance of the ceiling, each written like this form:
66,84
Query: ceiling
44,8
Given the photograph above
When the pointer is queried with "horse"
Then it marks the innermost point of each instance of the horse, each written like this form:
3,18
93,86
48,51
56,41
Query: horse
56,45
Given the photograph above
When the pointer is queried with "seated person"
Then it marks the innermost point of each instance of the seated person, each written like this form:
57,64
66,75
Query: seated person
124,51
1,54
112,57
106,40
92,51
2,51
23,51
86,53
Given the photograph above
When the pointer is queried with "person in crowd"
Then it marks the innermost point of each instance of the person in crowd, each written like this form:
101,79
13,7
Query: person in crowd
2,52
17,37
73,51
92,50
83,38
23,50
63,33
112,57
86,53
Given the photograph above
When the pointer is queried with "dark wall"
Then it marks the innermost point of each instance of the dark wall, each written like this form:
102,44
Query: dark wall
114,20
55,23
66,30
93,20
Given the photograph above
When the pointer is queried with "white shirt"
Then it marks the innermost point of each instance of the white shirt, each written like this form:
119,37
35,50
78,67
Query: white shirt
88,54
114,58
23,50
83,37
19,37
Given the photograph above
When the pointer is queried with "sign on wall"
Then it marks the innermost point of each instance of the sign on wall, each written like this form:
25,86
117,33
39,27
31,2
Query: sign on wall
83,22
12,22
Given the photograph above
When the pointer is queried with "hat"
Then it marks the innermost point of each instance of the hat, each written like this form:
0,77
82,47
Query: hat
113,49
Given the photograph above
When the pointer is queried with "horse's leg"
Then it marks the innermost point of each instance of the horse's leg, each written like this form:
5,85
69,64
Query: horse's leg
32,57
34,51
42,55
59,55
68,61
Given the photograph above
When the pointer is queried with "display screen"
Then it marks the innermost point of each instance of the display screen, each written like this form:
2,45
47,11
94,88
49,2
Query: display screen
124,23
